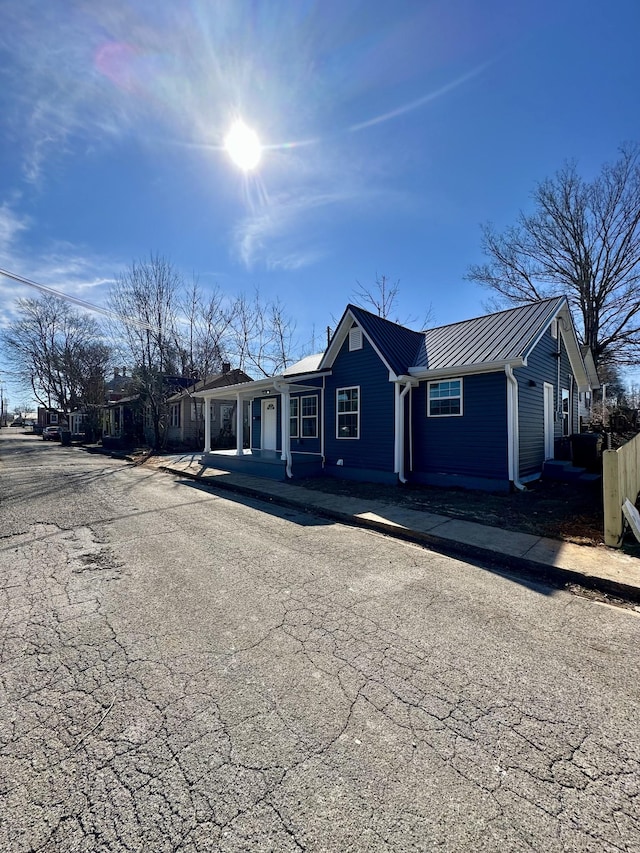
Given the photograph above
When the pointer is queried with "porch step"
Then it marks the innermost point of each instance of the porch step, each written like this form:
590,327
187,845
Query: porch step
256,465
592,479
559,469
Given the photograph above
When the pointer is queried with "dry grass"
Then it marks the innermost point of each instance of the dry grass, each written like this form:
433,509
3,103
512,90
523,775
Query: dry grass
572,513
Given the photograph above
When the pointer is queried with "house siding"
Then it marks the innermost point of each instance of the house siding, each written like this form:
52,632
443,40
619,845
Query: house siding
373,450
468,448
542,366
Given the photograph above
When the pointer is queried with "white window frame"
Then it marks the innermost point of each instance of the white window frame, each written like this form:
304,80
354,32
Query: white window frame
338,413
459,396
175,415
304,417
567,414
294,418
53,418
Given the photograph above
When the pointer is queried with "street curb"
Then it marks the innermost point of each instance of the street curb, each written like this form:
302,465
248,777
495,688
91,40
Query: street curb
112,454
523,567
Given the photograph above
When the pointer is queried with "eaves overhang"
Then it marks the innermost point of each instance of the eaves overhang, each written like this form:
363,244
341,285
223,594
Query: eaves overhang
268,385
466,369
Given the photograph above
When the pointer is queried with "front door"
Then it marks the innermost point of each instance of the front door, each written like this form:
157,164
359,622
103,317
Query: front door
269,424
549,421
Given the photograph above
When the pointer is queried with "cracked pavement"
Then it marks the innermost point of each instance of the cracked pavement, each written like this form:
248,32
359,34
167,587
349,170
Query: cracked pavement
181,671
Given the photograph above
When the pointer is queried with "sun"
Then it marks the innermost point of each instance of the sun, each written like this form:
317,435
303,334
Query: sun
243,146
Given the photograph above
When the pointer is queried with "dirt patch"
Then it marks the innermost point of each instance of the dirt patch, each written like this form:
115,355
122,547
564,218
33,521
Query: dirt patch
572,513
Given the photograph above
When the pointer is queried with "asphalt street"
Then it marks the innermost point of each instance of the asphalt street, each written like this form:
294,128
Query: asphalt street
182,670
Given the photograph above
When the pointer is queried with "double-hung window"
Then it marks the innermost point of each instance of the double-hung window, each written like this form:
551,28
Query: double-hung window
309,417
348,412
175,415
444,399
293,417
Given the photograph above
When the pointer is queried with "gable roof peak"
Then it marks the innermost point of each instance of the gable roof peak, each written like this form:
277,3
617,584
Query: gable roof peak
359,310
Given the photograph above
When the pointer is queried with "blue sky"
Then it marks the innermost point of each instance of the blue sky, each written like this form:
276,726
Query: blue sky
390,132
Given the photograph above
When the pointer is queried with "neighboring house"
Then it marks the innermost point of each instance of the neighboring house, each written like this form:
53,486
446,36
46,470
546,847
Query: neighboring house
585,398
186,426
50,417
123,423
481,403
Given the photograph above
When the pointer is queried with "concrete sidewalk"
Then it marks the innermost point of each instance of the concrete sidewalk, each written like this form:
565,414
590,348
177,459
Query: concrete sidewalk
598,568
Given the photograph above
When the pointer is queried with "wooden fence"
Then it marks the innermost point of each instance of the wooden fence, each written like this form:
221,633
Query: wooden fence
620,480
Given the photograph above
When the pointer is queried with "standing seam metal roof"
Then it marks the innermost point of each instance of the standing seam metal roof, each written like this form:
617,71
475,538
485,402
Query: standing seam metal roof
500,337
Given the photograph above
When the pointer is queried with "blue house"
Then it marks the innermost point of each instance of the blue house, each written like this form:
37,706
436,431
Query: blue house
482,403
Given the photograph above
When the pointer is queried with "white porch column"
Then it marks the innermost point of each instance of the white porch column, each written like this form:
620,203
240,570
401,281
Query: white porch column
285,423
206,414
239,425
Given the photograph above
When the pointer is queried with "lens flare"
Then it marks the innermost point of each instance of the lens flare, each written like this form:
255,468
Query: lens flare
243,146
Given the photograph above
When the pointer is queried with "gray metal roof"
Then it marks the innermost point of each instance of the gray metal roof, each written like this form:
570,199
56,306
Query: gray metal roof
397,344
501,337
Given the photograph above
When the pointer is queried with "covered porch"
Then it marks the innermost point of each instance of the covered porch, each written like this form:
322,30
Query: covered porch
270,453
262,463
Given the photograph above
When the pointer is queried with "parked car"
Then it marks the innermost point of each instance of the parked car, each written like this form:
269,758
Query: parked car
51,433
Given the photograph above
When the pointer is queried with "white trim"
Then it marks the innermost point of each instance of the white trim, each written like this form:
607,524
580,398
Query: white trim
323,425
308,417
452,397
338,340
239,425
563,318
295,417
423,373
400,421
513,430
338,413
548,417
259,386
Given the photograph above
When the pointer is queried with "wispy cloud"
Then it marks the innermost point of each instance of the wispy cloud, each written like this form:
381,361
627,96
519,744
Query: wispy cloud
84,75
11,225
63,266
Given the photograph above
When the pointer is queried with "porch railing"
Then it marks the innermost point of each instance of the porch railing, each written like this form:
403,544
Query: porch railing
620,480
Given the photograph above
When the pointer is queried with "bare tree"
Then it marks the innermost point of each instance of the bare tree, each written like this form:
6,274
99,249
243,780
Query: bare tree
263,336
582,240
58,351
146,298
382,298
203,334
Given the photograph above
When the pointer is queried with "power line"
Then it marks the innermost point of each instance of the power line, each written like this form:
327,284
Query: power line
82,303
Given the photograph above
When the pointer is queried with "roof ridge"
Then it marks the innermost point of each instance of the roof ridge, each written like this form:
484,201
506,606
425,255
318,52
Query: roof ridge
351,306
493,313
